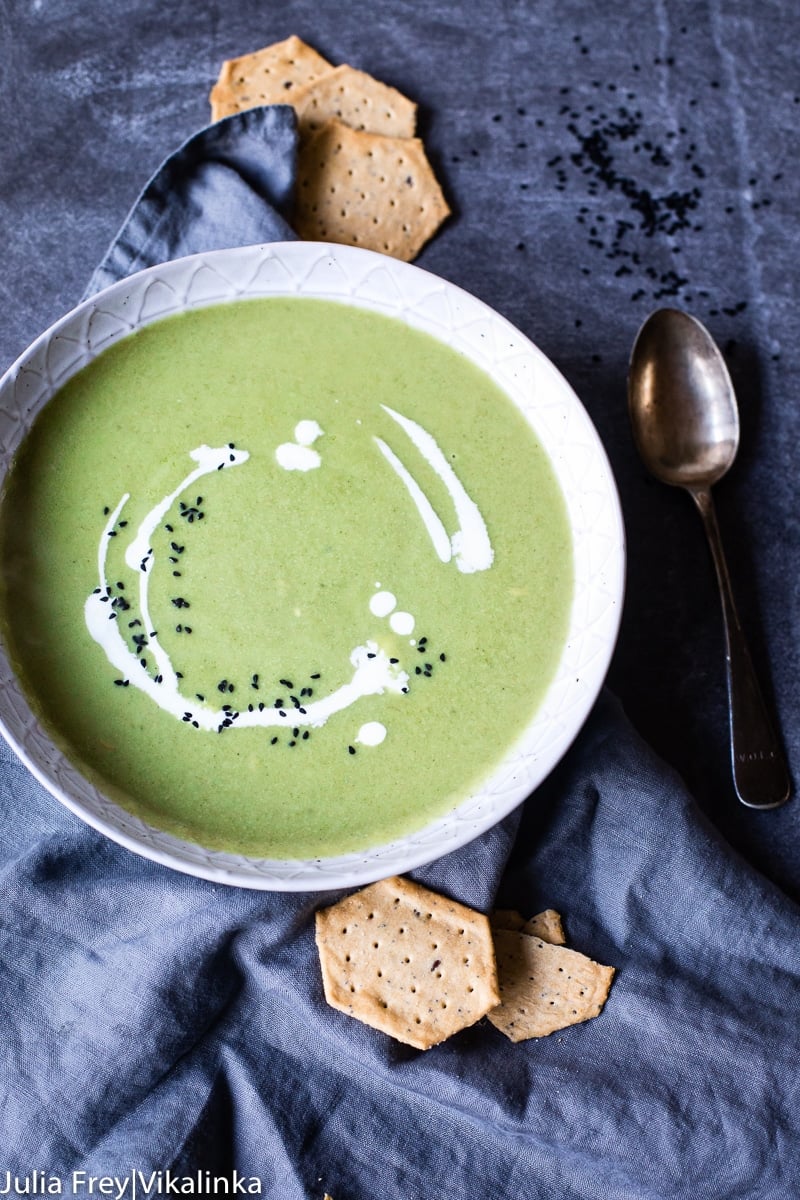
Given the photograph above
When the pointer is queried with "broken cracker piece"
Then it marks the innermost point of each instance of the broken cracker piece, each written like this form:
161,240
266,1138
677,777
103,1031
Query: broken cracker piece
506,918
267,76
407,961
356,99
368,190
543,987
547,926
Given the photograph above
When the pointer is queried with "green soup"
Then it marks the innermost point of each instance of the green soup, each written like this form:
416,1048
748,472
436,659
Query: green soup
284,577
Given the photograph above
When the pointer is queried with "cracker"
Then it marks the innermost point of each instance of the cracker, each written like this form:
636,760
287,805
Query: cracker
364,189
357,100
545,925
407,961
543,987
267,76
506,918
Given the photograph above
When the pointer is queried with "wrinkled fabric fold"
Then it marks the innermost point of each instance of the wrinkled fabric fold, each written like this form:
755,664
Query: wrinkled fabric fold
228,185
157,1022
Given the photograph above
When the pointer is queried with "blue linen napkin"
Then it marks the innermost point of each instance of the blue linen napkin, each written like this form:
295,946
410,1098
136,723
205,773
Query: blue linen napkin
158,1023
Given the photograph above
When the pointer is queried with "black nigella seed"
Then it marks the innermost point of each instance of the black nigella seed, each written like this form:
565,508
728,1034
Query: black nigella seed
394,661
442,658
417,670
249,708
179,602
169,529
254,682
279,703
314,676
287,683
291,743
351,749
199,697
118,683
222,686
179,674
301,710
281,713
274,740
106,511
372,656
305,735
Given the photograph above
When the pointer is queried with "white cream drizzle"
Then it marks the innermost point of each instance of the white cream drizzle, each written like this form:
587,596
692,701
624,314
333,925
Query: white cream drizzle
373,673
372,733
150,670
298,455
470,543
382,603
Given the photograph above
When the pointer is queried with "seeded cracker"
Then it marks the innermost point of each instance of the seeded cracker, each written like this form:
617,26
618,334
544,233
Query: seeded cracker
367,190
545,925
267,76
543,987
357,100
407,961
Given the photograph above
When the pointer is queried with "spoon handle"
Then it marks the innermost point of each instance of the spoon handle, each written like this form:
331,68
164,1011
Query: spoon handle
760,771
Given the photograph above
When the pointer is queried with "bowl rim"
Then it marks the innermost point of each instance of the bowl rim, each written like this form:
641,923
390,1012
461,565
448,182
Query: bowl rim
423,300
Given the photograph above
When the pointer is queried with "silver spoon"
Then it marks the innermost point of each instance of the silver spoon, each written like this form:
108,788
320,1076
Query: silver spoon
686,428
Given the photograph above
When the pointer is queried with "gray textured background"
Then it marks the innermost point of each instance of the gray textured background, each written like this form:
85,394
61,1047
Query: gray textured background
549,122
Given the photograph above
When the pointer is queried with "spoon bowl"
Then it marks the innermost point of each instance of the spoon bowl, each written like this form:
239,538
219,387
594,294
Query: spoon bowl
682,403
686,427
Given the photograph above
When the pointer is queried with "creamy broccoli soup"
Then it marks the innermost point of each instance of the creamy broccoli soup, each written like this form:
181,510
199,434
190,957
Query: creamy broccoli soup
284,577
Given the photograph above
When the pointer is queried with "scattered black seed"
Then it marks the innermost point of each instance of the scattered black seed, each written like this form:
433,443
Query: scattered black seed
287,683
106,511
372,656
177,574
295,732
199,697
305,735
169,529
292,743
254,682
351,749
442,657
179,602
274,740
314,676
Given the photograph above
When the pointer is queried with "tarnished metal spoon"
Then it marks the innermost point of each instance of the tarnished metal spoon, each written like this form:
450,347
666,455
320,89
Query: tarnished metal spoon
686,428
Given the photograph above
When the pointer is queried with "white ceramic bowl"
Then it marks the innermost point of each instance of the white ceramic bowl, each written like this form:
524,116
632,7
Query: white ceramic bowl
422,300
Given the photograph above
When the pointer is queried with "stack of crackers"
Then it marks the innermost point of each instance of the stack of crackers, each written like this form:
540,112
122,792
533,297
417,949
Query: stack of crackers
363,177
421,967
